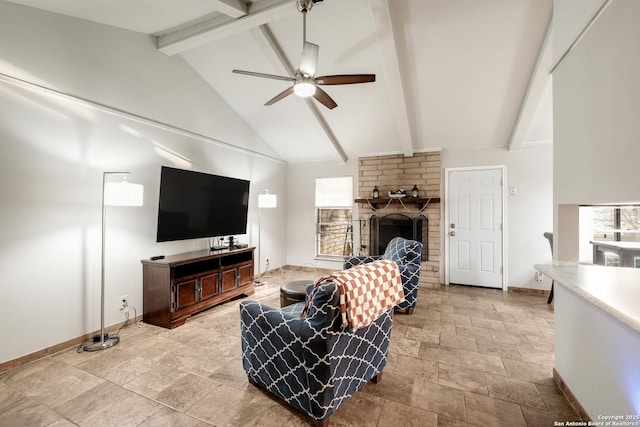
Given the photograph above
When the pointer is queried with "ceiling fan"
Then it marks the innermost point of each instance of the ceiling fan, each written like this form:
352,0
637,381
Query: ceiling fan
305,82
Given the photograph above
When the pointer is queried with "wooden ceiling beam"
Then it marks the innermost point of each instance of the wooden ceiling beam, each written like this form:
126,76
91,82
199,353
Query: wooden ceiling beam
383,23
538,82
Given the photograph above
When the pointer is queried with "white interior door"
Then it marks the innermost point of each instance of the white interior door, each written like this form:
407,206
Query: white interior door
474,227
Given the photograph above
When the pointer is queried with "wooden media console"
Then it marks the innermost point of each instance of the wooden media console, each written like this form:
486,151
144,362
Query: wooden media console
180,285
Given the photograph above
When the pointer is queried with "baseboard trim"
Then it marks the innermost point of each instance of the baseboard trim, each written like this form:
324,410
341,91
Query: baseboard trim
530,291
568,394
54,349
57,348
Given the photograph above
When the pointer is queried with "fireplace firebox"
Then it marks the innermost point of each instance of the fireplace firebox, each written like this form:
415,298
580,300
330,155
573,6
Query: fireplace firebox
383,229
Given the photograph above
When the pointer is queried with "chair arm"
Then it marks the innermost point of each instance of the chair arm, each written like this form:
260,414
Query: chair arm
270,342
409,268
280,351
262,324
254,314
359,260
281,332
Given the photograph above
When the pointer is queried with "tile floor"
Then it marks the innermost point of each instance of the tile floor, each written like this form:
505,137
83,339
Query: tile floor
466,357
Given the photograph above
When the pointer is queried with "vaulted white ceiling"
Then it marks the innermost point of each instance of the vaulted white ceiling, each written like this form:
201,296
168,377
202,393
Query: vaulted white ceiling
452,74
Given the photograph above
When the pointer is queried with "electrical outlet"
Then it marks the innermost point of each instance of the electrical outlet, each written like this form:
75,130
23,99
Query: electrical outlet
124,302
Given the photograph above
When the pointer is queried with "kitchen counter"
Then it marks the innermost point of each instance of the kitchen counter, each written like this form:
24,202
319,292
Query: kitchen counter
615,290
597,338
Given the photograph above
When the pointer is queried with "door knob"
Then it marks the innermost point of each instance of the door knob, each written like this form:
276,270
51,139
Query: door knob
452,233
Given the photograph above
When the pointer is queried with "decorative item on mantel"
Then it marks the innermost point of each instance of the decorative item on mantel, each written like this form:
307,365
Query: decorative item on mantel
414,191
397,194
376,192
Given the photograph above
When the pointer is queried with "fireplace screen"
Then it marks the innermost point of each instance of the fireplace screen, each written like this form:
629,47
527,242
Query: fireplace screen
383,229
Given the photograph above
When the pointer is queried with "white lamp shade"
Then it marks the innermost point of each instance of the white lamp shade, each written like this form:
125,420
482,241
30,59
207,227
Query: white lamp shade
123,194
267,200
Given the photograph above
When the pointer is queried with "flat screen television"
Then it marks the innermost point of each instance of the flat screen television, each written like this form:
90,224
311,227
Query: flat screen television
195,204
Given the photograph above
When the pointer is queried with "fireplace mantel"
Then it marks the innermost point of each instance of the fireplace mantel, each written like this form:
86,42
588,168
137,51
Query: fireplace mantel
376,204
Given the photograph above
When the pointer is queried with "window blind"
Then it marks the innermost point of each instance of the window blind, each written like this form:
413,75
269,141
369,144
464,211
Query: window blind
334,192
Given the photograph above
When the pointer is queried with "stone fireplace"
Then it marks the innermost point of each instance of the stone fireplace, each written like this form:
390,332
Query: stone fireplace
416,218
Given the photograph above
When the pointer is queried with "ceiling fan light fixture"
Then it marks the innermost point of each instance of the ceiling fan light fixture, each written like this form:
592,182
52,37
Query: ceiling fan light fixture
305,82
304,89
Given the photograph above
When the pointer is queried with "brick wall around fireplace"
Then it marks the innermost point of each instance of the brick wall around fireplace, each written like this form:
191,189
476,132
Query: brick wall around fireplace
395,172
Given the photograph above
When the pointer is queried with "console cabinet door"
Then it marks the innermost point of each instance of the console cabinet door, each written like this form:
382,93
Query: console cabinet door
245,273
186,293
209,286
229,279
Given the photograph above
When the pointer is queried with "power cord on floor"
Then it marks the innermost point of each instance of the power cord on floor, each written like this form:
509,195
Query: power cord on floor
267,272
126,323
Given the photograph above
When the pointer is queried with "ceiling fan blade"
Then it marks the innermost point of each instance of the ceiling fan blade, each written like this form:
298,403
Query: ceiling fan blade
323,97
263,75
345,79
309,59
288,91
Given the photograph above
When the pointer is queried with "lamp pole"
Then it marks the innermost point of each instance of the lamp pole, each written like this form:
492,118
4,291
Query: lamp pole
265,200
102,341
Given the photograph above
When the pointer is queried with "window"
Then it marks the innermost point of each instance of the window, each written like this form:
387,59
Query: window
334,217
616,223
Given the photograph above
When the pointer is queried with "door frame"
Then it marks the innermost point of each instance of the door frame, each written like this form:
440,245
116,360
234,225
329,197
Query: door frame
445,222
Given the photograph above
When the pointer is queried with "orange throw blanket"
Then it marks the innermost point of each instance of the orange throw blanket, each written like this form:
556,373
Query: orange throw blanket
366,291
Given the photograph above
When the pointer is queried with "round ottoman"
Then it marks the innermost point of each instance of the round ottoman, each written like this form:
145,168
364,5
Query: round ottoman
293,292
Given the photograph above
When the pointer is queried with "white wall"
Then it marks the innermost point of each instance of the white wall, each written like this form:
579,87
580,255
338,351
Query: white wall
596,151
605,381
574,15
596,104
529,213
301,214
53,152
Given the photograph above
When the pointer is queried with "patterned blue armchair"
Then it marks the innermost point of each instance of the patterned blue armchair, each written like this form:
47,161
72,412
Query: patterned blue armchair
312,363
407,254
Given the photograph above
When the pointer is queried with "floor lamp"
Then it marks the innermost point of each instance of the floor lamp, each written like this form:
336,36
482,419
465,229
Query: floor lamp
120,193
265,201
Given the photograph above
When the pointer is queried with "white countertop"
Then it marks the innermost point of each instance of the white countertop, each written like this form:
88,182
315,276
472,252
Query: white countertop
615,290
